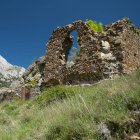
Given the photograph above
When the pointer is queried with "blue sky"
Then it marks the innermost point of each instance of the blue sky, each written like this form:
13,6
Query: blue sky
26,25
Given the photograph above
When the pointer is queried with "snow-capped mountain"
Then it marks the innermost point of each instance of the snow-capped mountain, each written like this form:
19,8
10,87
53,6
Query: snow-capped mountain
9,73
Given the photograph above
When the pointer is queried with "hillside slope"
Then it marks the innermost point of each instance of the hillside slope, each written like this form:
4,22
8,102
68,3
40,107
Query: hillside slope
108,110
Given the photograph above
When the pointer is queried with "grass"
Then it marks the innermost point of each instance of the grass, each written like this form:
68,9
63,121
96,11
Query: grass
73,113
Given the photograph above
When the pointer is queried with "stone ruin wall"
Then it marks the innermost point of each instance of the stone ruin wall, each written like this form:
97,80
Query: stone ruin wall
56,70
124,38
115,51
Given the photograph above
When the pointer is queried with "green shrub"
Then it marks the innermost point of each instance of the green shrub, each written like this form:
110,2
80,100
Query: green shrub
98,27
53,94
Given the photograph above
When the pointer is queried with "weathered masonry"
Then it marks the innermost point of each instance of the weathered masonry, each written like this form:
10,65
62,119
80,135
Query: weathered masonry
115,51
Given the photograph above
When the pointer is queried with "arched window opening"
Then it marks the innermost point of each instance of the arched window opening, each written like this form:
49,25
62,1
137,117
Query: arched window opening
74,50
66,45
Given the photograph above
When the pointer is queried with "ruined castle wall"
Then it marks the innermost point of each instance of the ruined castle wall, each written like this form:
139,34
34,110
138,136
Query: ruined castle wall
131,48
102,55
58,48
124,38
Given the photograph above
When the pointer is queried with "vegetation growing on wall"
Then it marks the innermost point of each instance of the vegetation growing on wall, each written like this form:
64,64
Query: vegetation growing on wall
98,27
